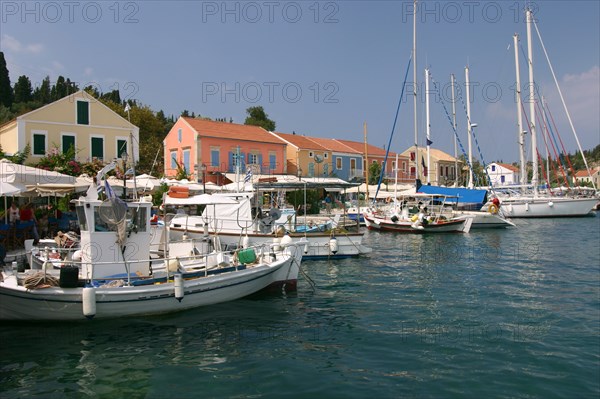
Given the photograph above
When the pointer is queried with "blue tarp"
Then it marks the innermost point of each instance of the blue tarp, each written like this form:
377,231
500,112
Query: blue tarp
465,195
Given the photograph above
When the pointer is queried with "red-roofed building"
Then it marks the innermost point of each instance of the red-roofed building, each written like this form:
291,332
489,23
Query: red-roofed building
346,162
304,156
209,148
582,176
503,174
377,155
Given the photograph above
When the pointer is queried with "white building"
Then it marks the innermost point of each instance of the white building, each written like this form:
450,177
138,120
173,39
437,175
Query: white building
502,174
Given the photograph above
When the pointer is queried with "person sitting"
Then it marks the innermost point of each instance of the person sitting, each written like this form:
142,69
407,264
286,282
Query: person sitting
14,214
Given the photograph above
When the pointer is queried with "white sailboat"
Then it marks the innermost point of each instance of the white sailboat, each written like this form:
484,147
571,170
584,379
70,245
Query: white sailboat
535,204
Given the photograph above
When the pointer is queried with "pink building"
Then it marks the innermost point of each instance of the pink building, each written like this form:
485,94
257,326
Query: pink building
210,149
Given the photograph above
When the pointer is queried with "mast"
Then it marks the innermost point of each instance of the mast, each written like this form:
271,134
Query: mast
534,159
366,163
428,123
521,132
454,126
469,127
414,57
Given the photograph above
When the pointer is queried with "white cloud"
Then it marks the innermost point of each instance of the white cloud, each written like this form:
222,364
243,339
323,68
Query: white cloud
57,66
12,44
88,71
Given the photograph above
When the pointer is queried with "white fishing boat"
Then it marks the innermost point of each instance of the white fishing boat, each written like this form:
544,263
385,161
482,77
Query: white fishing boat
239,224
117,277
418,214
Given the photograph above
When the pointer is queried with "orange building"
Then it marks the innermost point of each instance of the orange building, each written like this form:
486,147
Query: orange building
208,149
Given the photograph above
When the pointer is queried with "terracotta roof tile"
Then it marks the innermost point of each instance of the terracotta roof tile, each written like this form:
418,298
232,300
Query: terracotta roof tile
302,142
373,150
231,131
509,167
335,146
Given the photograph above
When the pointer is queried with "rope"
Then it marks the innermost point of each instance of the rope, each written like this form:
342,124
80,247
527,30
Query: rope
40,280
387,151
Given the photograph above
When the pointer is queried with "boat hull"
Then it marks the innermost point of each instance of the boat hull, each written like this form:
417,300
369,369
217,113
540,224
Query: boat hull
547,207
459,225
317,245
55,303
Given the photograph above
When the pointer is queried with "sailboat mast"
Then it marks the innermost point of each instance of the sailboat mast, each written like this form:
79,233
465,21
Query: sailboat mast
454,126
534,158
428,123
521,132
366,161
469,127
414,57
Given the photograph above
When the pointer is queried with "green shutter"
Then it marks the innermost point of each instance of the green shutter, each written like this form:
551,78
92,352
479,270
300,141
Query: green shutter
97,147
39,144
121,148
83,113
67,143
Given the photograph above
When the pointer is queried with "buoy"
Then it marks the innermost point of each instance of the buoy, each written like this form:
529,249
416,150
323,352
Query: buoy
333,245
77,255
276,242
527,206
178,283
306,248
245,241
550,204
286,241
493,209
88,300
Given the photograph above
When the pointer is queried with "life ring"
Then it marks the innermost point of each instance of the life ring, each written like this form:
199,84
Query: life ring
493,209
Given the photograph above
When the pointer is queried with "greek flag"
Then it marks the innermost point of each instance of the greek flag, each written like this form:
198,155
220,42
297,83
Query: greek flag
109,191
248,175
127,107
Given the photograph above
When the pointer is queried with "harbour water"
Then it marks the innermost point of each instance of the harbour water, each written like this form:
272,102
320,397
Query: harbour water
498,313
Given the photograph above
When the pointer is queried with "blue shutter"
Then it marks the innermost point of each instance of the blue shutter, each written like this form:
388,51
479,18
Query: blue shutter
242,162
260,162
230,167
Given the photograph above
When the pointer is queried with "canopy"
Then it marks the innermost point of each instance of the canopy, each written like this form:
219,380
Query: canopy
10,188
27,175
202,199
464,195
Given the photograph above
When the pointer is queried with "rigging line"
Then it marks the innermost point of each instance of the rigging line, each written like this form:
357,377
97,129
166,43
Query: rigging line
387,151
563,102
474,137
544,132
462,148
553,143
563,147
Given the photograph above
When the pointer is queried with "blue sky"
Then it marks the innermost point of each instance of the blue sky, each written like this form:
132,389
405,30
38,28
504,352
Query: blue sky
318,68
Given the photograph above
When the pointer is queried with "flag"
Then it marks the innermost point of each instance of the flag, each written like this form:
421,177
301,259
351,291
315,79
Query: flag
429,142
423,162
248,175
108,190
129,172
127,107
104,171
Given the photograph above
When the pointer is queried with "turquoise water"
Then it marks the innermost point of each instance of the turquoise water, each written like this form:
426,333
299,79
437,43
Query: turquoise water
503,313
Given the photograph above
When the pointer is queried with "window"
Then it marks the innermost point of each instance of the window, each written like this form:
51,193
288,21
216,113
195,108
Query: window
493,168
39,143
311,154
83,113
214,157
272,161
186,160
173,156
121,147
67,141
97,147
352,164
311,169
179,135
338,163
393,165
326,155
404,166
253,158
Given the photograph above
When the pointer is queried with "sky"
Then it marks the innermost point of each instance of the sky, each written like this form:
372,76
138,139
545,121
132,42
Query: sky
323,68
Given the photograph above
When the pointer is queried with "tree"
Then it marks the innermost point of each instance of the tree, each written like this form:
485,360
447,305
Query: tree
6,91
42,93
23,91
374,173
258,117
